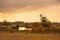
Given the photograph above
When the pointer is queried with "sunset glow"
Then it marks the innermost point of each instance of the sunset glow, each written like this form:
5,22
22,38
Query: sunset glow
29,11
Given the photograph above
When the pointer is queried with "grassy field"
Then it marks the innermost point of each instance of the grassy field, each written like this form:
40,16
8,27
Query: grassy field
28,36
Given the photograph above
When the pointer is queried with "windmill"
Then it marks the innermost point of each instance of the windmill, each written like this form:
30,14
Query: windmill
44,21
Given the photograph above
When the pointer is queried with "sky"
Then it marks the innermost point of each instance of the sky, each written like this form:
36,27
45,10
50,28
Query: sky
29,10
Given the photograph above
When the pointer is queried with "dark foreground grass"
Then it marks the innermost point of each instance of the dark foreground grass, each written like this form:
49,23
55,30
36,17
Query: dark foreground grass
29,36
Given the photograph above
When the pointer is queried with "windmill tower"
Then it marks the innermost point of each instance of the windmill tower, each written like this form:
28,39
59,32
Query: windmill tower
43,20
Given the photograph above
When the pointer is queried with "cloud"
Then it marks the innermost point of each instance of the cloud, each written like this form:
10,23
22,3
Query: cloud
13,5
